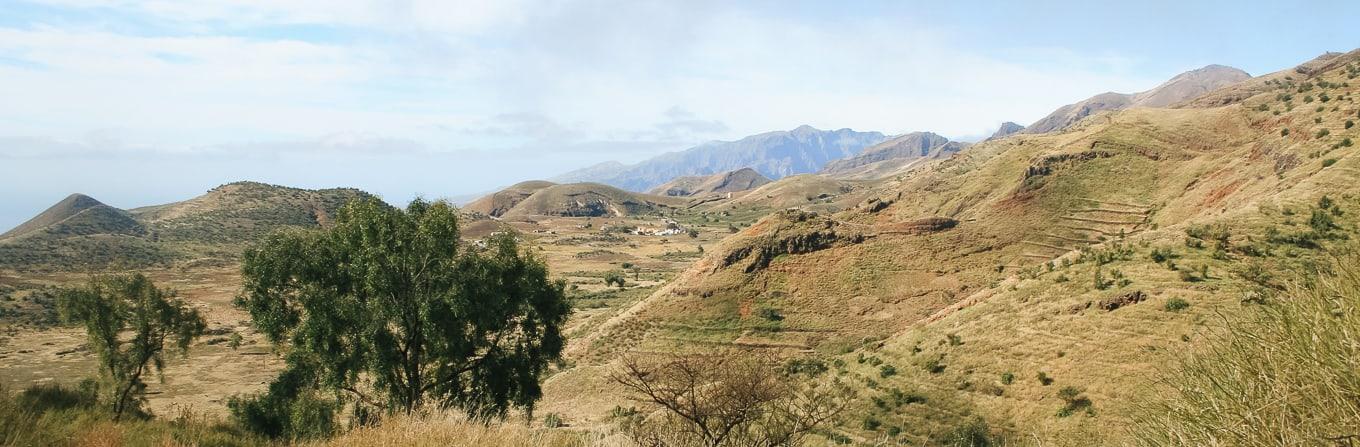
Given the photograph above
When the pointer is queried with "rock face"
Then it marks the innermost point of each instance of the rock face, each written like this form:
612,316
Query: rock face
1182,87
732,181
773,154
1007,129
893,154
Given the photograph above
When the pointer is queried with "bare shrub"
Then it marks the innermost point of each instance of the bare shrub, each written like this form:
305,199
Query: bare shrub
730,398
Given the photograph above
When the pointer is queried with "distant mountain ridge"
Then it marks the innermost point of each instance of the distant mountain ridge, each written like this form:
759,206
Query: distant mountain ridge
772,154
1182,87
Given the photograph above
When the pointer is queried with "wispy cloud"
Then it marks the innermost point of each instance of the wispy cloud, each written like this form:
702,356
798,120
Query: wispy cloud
529,88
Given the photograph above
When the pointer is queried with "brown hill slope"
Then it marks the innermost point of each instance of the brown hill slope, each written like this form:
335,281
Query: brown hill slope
498,203
1031,254
1182,87
589,200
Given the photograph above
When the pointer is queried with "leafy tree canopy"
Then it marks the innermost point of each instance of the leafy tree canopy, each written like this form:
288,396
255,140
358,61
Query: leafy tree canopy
387,310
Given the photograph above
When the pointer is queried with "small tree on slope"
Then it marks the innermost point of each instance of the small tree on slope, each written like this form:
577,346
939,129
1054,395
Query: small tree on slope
112,308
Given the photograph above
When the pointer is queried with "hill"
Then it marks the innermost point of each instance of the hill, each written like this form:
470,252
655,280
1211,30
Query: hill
498,203
1079,261
80,232
732,181
890,156
773,154
1007,129
1180,88
591,200
66,208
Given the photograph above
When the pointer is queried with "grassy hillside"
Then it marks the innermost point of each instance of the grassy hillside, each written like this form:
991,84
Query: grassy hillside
591,200
498,203
1089,256
79,233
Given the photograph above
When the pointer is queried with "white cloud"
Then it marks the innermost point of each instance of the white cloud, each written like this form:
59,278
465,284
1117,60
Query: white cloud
466,96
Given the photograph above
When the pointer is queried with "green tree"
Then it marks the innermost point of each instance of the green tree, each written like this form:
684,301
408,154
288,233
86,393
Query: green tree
129,320
387,311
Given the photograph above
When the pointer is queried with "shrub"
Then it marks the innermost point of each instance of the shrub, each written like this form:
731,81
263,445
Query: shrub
1281,374
1044,379
1323,132
887,371
934,365
552,420
1176,305
1162,254
807,367
1328,162
1073,401
1007,378
973,433
1350,124
770,313
614,278
1284,132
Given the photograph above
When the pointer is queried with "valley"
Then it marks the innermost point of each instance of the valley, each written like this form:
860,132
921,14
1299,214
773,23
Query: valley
1033,288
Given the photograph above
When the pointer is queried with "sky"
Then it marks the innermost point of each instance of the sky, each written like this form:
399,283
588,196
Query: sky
146,102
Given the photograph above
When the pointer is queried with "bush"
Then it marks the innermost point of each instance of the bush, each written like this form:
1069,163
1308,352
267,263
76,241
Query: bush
1162,254
887,371
1282,373
614,278
1007,378
1284,132
1350,124
1323,132
1044,379
1176,305
1328,162
770,313
1073,401
552,420
934,365
973,433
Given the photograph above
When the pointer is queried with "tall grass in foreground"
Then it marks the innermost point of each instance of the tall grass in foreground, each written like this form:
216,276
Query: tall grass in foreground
438,430
1285,374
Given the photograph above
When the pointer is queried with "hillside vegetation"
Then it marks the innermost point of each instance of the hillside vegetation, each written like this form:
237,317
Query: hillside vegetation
81,233
1034,281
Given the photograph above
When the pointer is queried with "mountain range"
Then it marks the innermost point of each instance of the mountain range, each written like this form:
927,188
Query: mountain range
772,154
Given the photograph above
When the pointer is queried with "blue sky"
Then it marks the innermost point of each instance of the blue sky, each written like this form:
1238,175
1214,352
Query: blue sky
145,102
